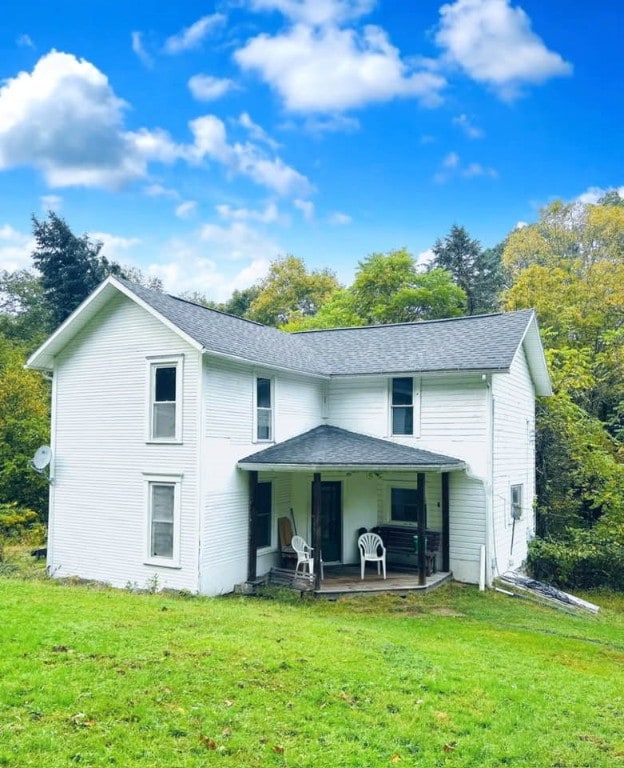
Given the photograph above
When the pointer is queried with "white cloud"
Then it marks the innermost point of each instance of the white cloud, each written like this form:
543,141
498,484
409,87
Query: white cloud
51,202
192,37
452,166
593,194
316,12
25,41
476,169
340,219
139,48
306,207
186,210
331,69
157,190
451,160
494,44
246,159
471,130
82,143
268,215
15,249
521,224
239,255
425,258
113,246
256,131
208,88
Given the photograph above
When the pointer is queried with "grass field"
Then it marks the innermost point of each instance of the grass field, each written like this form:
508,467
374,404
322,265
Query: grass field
96,677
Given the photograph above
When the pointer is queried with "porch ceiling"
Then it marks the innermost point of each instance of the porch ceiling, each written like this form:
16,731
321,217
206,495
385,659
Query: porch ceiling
328,447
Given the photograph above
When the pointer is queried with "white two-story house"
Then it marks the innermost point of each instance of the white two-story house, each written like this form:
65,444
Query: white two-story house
181,434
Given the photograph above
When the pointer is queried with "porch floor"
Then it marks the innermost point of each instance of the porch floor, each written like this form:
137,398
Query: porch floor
345,580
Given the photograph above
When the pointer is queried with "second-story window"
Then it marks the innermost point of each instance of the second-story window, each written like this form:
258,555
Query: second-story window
403,406
264,409
165,386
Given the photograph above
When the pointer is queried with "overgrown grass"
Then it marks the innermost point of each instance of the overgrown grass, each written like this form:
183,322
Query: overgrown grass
97,677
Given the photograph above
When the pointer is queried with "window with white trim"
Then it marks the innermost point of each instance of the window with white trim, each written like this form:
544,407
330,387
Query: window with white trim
264,409
402,406
165,417
516,502
163,523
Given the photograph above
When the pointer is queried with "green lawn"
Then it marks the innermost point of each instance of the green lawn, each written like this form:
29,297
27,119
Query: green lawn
96,677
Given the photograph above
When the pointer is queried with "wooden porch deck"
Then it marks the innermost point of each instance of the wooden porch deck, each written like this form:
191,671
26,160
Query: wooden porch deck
345,580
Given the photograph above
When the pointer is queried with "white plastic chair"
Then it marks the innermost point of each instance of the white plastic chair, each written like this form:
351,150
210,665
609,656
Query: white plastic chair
370,544
304,555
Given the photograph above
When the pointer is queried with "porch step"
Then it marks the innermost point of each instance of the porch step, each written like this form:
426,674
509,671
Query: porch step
285,577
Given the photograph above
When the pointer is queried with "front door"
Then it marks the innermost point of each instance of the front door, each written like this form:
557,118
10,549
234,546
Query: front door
331,521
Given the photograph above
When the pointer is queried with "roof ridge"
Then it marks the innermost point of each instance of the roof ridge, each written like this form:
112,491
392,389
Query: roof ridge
415,322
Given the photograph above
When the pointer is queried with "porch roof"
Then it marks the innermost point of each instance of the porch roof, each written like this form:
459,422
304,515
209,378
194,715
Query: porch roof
328,447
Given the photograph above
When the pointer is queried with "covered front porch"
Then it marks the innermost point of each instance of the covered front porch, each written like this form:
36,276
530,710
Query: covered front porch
341,483
341,580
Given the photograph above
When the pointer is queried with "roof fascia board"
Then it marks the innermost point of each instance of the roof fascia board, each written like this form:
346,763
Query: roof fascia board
65,327
536,360
155,313
72,325
259,364
428,374
260,467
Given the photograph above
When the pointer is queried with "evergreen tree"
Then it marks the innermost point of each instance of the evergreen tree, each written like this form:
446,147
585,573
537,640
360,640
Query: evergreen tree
70,267
476,271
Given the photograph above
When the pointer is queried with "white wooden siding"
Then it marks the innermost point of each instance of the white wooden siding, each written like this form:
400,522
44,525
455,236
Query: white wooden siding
99,528
228,437
514,461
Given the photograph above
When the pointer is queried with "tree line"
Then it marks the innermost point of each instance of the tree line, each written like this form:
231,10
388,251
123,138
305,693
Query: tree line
569,266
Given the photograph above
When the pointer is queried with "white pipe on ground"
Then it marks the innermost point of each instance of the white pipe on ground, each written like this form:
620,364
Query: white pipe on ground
482,569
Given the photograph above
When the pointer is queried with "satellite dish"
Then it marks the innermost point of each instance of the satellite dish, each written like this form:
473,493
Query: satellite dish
42,457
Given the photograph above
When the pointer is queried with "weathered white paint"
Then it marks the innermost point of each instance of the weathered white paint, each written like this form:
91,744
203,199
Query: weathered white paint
101,455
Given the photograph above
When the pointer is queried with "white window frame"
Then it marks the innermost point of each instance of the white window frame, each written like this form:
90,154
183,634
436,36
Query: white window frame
415,406
154,363
150,482
256,408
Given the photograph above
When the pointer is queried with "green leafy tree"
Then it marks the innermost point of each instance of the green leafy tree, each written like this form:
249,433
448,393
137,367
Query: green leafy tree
388,288
24,314
70,266
338,312
24,426
570,266
238,304
478,272
290,292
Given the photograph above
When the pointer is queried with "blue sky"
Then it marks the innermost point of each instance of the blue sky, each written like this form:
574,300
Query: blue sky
199,141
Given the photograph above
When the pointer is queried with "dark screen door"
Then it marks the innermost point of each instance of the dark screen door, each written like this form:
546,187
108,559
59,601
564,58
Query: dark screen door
331,521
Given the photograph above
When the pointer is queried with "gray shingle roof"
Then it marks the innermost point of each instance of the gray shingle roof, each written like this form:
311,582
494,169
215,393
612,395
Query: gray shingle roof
486,342
328,446
230,335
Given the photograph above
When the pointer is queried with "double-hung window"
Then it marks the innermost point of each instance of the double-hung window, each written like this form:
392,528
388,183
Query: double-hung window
264,409
165,400
402,406
163,527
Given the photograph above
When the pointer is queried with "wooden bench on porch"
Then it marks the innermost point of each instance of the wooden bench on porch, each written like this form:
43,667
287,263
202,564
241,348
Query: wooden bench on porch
400,540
